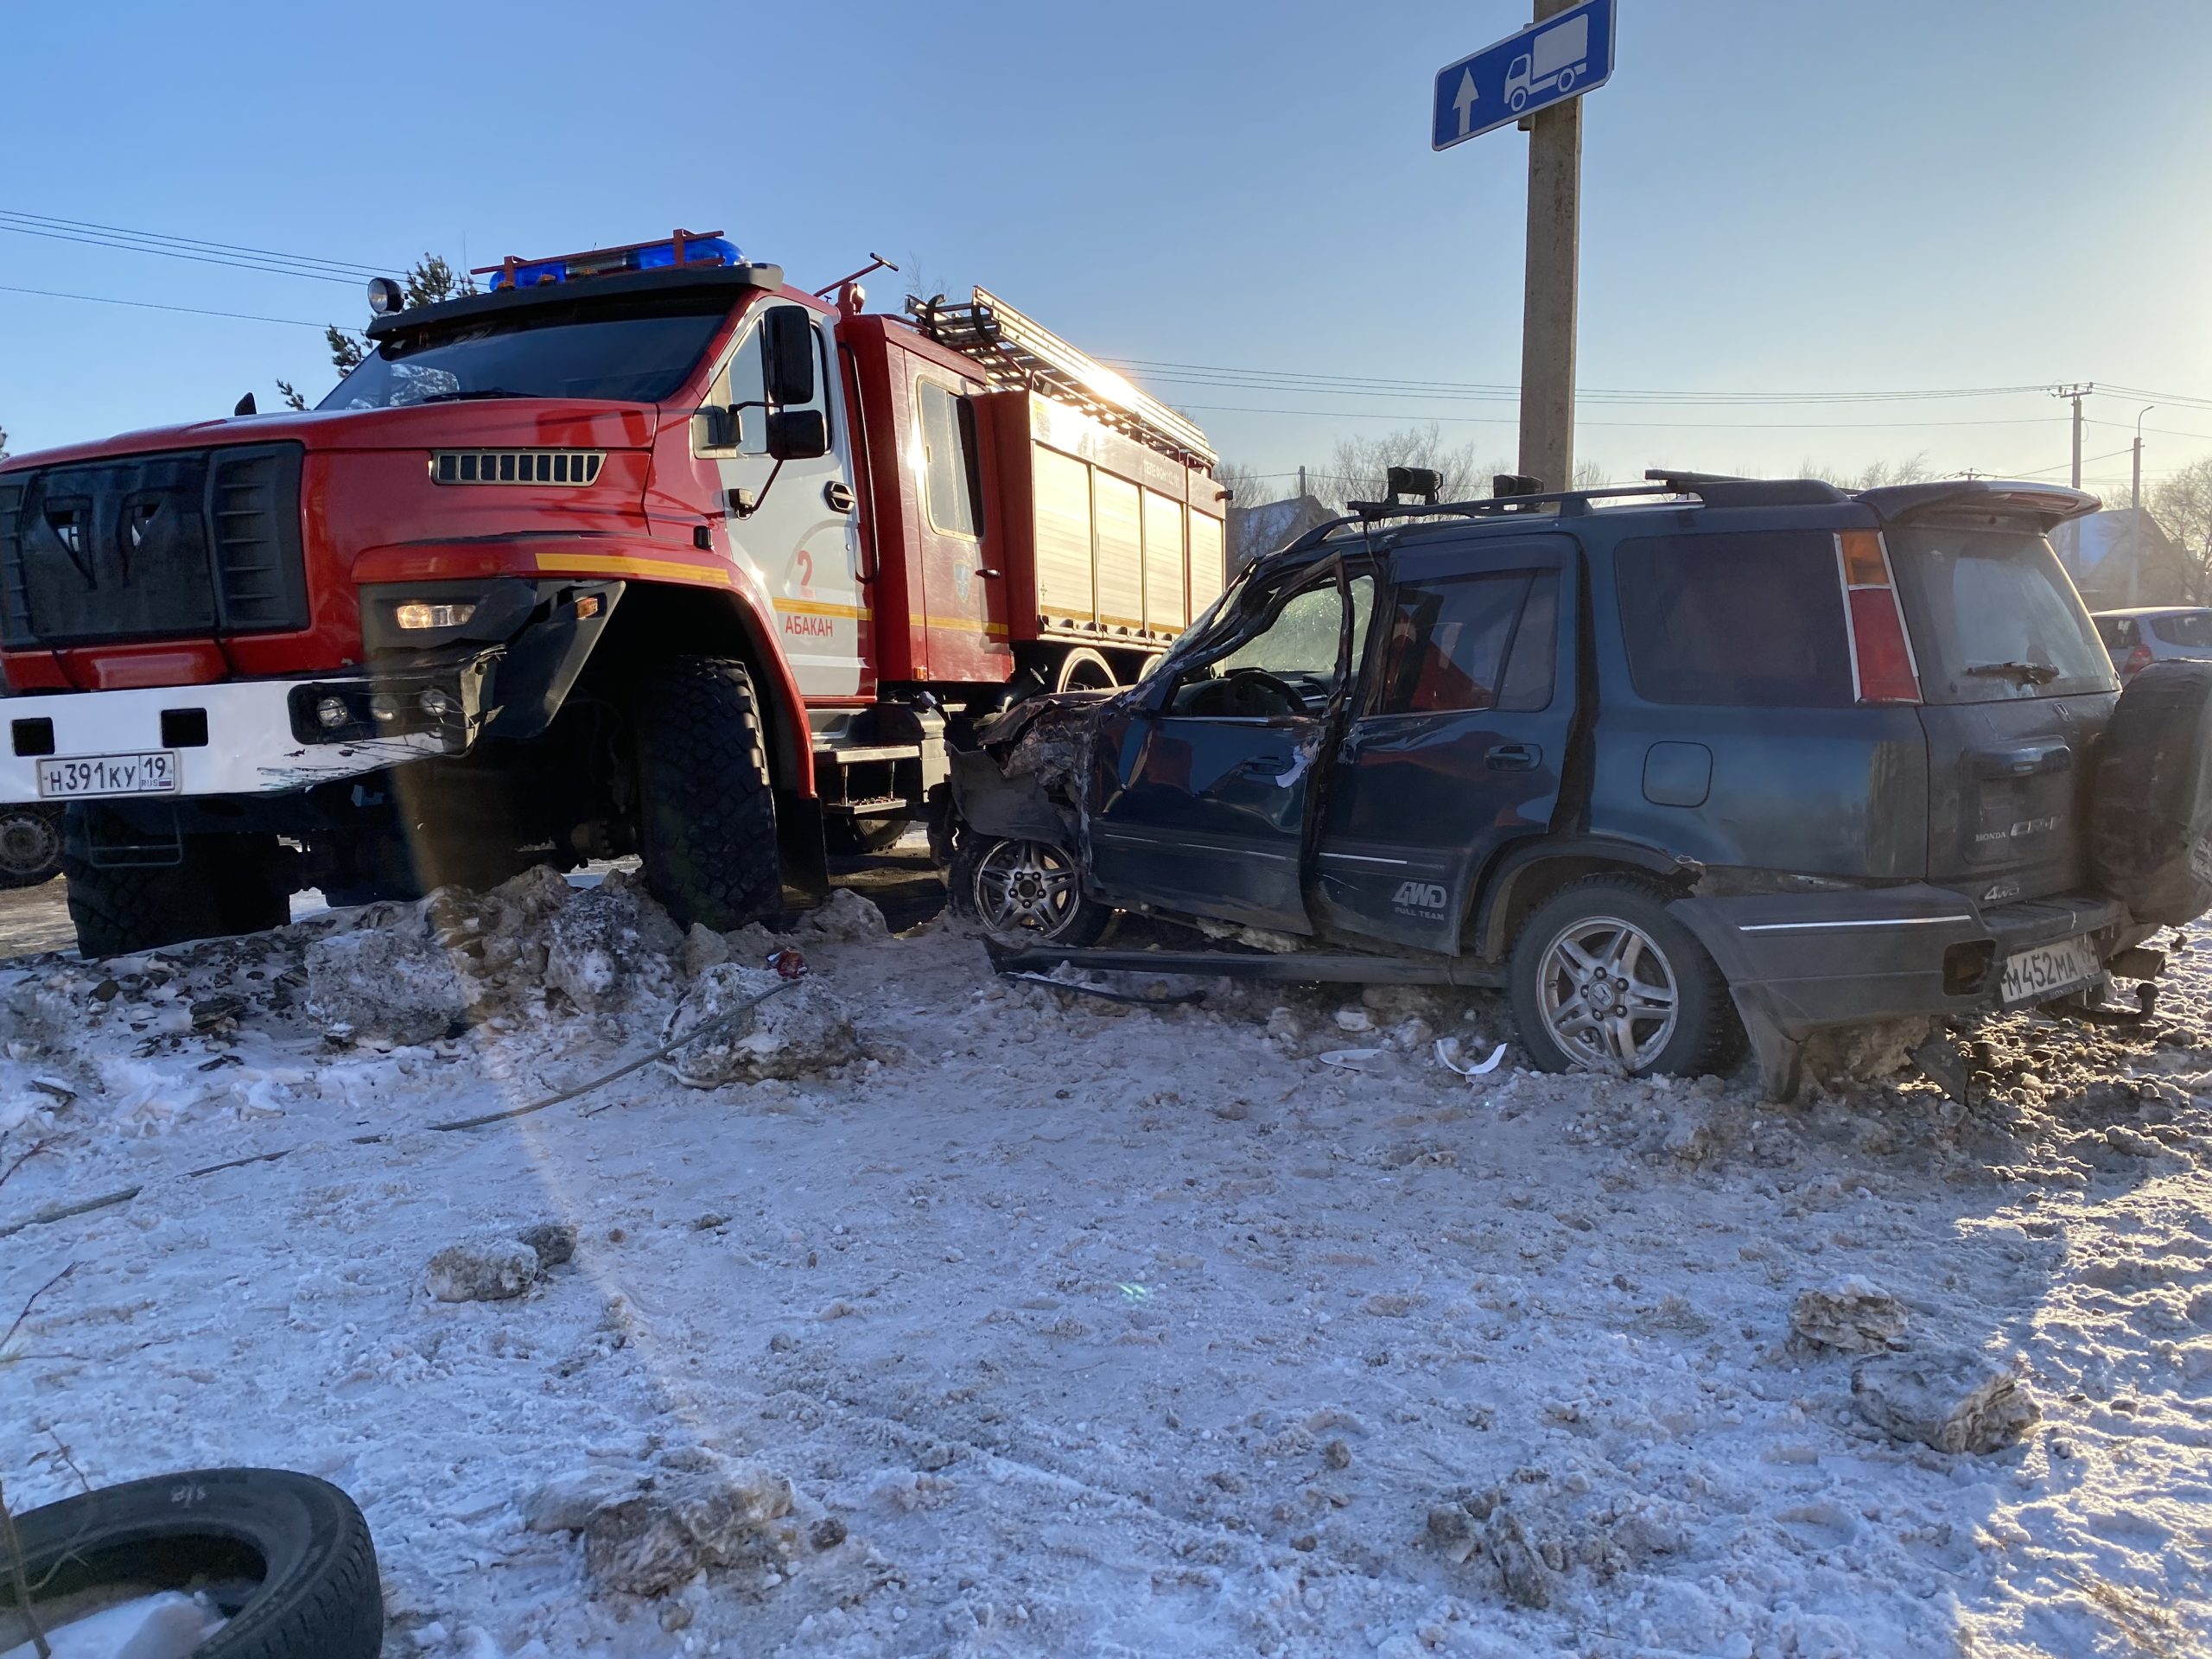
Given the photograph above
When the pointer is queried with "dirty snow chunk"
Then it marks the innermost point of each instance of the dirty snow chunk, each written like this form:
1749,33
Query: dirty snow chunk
168,1624
488,1269
1350,1019
609,947
651,1542
1850,1315
846,915
703,948
803,1027
567,1502
1528,1580
393,981
1954,1399
554,1242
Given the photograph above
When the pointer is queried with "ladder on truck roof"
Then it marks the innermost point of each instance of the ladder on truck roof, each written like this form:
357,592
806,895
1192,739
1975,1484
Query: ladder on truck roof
1015,352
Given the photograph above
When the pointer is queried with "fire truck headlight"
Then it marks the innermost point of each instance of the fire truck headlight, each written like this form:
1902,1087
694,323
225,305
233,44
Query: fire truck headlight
385,296
332,713
416,614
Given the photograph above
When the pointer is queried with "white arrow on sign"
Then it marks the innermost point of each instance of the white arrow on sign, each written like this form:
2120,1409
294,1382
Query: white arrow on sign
1465,101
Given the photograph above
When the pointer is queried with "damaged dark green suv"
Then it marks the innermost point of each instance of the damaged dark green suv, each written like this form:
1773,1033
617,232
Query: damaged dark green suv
1676,765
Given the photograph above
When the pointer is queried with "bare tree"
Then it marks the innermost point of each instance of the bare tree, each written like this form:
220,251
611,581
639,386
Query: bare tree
1913,469
429,280
2182,504
1357,467
3,443
1246,488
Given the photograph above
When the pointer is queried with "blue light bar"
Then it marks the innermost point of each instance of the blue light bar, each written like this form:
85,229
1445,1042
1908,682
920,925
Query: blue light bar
683,248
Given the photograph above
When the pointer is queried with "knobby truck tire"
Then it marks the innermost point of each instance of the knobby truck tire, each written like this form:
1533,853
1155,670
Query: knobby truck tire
2151,817
302,1538
707,803
222,885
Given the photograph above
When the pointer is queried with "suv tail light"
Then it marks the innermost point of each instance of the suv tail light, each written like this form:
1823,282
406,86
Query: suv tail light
1882,666
2138,660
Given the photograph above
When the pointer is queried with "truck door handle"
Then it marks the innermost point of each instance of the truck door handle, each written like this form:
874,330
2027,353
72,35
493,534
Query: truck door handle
1514,757
838,494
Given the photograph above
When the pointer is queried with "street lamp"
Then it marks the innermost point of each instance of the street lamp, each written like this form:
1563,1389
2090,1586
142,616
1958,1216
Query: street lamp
2135,487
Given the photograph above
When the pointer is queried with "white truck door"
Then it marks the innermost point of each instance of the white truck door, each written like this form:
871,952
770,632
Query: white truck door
802,533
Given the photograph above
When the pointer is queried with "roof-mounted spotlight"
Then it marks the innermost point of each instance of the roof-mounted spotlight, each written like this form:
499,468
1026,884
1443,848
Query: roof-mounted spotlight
385,296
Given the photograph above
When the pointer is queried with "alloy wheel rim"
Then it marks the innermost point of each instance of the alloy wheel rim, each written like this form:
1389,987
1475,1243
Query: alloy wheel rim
1025,884
27,843
1609,995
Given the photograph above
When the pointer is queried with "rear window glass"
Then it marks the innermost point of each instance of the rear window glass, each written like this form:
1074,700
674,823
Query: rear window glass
2192,629
1994,617
1750,619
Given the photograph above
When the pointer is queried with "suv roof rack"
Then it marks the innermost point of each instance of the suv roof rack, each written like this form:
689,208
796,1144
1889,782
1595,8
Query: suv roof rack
1710,489
1018,353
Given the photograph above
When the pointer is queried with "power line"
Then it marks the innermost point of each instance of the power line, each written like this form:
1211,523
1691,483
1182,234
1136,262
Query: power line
1500,420
127,246
150,305
345,267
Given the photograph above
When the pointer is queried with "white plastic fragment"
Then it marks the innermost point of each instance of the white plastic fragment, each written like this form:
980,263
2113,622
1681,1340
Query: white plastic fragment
1452,1056
1351,1059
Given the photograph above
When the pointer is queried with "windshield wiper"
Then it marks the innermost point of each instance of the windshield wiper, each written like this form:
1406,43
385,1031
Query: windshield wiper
2027,673
461,396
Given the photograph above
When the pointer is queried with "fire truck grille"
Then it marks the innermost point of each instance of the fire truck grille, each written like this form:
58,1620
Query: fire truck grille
570,466
170,545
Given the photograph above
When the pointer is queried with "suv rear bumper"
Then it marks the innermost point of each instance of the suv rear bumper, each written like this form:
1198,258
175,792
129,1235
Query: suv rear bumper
240,737
1809,961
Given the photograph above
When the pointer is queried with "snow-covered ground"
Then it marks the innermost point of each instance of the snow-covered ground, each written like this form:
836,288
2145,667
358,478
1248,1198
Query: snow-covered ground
1078,1328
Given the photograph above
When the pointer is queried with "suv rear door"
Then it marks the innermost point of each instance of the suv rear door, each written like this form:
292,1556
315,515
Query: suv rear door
1458,739
2016,686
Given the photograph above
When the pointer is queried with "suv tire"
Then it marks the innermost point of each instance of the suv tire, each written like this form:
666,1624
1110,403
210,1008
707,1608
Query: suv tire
1679,1018
2150,824
706,804
221,885
286,1556
1025,892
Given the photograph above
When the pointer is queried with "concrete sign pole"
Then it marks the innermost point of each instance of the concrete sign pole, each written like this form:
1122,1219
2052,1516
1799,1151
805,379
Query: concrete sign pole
1549,302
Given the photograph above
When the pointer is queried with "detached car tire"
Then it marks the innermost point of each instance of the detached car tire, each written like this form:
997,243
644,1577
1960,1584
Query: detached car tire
287,1558
30,845
706,802
2150,822
1602,978
1025,892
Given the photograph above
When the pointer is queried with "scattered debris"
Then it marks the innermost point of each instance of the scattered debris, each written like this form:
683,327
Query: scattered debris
1953,1399
489,1268
1851,1316
652,1542
1352,1060
804,1030
1451,1054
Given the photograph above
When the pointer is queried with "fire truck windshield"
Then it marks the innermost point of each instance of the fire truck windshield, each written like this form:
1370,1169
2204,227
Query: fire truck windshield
626,355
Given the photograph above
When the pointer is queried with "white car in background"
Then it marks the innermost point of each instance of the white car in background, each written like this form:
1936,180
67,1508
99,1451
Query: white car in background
2150,633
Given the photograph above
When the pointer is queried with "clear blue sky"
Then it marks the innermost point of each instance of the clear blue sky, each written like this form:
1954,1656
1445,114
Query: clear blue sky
1779,196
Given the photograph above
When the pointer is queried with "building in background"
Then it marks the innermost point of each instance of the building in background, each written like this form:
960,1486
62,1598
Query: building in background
2122,557
1254,531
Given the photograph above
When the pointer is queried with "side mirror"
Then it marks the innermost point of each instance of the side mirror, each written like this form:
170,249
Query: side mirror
719,427
787,334
798,434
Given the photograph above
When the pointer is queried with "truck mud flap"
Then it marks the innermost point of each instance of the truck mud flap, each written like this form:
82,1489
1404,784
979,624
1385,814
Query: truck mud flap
1299,967
800,846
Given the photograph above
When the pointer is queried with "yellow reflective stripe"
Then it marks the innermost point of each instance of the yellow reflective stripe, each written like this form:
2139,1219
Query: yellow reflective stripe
818,607
963,624
621,564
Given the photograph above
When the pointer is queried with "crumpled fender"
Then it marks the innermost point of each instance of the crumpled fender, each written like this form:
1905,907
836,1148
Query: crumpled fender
1017,809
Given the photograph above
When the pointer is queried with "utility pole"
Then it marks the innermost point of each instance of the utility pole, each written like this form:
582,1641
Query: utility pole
1301,483
2135,486
2077,393
1548,302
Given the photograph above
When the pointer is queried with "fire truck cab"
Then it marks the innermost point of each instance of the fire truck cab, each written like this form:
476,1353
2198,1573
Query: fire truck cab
642,550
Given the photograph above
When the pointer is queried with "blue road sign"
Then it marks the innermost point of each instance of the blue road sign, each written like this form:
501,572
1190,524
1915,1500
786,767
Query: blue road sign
1546,63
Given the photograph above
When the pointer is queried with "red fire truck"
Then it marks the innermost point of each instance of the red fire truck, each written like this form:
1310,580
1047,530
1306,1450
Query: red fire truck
640,551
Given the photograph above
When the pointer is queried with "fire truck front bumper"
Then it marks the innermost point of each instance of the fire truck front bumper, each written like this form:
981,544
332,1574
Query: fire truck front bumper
242,737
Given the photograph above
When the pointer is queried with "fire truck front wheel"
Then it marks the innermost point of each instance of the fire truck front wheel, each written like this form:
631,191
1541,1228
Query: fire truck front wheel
219,885
706,802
